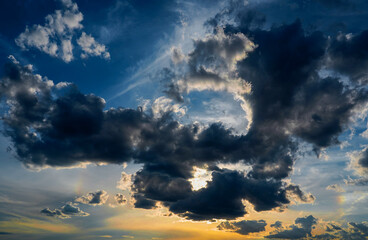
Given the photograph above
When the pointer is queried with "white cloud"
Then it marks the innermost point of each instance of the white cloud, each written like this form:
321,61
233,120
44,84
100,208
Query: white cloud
67,49
55,37
38,37
125,182
92,48
164,105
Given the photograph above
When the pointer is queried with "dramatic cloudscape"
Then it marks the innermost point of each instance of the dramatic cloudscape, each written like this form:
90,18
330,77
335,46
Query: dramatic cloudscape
184,119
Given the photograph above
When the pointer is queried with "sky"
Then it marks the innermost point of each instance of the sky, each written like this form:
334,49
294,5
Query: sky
184,119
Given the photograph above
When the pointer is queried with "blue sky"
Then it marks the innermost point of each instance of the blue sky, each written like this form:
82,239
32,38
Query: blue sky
183,119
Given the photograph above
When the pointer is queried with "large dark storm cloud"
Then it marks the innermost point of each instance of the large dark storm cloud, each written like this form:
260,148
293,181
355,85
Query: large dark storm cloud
291,100
207,203
58,126
288,96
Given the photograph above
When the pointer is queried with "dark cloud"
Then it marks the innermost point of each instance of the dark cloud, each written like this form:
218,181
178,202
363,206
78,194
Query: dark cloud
354,230
335,227
325,236
222,198
348,54
277,224
65,211
94,198
363,161
243,227
142,202
360,227
59,126
302,229
287,93
161,186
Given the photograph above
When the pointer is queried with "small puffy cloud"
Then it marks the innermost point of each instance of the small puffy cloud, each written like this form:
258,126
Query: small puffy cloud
335,187
120,199
297,195
243,227
55,37
37,37
94,198
92,48
65,211
125,181
67,49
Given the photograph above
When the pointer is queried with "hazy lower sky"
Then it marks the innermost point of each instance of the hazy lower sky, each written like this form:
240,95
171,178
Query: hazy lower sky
184,119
